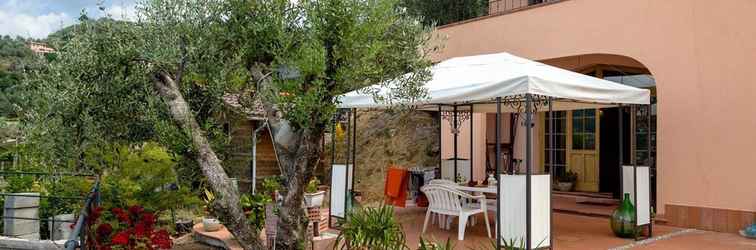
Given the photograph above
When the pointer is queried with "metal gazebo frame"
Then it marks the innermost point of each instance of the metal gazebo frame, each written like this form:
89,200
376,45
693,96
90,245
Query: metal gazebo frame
529,104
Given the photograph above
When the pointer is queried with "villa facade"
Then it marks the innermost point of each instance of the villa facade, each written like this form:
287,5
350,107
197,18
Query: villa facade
694,55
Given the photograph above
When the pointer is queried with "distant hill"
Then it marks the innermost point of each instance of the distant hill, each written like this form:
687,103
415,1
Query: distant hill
13,55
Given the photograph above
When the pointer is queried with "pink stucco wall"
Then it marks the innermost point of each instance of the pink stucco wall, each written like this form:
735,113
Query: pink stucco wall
701,53
463,143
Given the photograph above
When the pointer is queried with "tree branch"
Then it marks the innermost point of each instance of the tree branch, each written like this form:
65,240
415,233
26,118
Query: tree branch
182,61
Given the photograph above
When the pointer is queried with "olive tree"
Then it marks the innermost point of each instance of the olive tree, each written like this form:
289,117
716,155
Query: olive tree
162,78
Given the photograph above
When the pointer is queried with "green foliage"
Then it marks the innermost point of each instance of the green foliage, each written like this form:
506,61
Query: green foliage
9,136
13,48
428,245
14,55
144,176
312,185
371,228
99,92
254,208
317,50
271,184
441,12
208,198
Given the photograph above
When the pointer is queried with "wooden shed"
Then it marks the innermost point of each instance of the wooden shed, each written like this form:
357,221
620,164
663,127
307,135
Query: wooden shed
242,123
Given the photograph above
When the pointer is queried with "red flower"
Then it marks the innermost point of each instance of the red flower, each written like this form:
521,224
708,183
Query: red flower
161,239
94,215
148,219
121,238
136,210
121,215
141,230
103,231
96,212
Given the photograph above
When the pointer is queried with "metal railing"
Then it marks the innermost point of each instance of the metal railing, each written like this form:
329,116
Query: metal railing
496,7
80,228
54,201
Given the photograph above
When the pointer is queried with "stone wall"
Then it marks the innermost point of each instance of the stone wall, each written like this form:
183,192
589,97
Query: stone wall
406,139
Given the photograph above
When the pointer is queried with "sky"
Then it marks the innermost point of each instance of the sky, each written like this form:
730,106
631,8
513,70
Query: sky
39,18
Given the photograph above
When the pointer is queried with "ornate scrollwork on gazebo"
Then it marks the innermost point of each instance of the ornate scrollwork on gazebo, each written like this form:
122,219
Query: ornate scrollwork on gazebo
462,116
517,102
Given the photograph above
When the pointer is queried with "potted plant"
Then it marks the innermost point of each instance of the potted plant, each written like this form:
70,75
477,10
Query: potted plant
313,197
566,181
209,222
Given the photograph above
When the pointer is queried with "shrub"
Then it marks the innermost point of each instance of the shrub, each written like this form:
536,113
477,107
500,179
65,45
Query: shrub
371,228
144,176
254,208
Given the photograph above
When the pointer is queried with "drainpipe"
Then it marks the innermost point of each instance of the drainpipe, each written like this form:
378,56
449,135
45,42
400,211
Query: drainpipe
254,155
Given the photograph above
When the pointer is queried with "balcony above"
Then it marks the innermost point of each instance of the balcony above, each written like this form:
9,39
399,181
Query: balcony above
502,7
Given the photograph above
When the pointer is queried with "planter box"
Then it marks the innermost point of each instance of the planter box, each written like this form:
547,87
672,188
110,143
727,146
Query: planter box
642,184
512,198
341,186
314,199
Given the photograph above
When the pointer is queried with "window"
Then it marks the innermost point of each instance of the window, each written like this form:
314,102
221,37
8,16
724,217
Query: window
584,129
560,140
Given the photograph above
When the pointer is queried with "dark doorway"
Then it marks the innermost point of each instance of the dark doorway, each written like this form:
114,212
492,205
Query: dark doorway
609,181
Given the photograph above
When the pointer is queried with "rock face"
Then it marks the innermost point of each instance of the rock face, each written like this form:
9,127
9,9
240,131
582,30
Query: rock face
21,207
403,138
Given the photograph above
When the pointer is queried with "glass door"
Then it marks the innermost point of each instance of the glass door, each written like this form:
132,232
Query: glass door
584,153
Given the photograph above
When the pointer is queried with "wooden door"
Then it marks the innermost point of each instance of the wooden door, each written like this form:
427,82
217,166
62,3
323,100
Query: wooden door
583,144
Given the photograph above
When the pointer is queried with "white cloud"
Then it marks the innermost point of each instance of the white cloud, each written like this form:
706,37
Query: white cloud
37,19
122,12
16,24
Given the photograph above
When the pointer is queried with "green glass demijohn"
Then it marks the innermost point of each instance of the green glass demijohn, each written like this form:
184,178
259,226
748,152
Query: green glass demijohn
623,219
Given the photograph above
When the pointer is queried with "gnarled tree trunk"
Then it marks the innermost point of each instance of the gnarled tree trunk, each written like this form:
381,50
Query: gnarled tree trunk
227,204
298,151
298,160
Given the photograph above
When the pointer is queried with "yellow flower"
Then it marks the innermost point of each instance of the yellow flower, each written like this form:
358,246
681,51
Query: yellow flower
339,132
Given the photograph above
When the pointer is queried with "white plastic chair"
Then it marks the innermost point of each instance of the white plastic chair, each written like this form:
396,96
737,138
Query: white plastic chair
442,182
446,200
443,221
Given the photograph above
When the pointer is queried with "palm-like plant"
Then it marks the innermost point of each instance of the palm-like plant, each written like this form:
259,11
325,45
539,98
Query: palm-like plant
428,245
371,228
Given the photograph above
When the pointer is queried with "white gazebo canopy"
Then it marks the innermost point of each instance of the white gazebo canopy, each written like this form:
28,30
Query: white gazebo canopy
480,79
475,82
